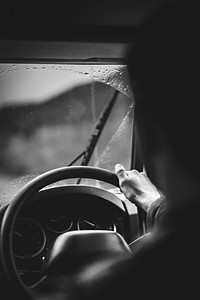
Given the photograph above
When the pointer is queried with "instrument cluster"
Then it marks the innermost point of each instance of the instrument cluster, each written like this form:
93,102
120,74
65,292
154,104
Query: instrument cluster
41,222
29,237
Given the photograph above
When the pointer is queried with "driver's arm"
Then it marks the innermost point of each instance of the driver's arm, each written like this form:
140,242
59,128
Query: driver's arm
138,189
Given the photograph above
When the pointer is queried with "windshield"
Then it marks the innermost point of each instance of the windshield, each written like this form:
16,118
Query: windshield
48,113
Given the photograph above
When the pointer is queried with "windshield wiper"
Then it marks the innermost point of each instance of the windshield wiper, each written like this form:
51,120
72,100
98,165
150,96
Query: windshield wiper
87,153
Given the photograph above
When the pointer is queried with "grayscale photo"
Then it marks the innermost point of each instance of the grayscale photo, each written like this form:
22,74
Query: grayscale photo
99,150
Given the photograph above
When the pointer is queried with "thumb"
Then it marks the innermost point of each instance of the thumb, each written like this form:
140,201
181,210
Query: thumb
120,171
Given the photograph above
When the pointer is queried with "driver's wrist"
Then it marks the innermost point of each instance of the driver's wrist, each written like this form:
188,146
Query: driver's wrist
145,204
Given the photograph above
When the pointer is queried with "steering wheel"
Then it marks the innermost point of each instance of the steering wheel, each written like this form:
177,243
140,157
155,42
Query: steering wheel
21,199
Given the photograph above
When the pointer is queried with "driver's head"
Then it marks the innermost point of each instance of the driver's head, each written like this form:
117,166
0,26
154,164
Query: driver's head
164,68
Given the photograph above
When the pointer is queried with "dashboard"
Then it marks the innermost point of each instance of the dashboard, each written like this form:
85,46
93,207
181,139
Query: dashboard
53,211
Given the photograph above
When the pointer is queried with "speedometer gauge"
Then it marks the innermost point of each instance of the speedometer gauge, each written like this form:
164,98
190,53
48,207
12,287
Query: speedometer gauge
28,238
96,219
58,221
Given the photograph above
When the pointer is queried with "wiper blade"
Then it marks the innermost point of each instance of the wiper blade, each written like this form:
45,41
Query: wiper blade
87,153
98,129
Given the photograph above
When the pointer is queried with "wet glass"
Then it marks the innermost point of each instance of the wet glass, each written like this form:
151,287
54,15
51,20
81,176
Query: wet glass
48,113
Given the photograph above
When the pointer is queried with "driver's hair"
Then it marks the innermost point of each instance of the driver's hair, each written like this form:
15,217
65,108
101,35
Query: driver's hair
164,68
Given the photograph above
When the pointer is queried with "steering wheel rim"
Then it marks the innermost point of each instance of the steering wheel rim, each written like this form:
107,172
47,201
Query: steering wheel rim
23,196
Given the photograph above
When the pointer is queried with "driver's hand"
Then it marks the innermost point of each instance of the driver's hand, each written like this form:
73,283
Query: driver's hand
137,187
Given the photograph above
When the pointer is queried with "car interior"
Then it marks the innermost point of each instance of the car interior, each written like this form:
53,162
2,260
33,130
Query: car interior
66,118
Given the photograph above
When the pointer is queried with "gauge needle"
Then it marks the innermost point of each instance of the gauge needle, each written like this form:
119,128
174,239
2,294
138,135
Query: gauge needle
89,223
17,233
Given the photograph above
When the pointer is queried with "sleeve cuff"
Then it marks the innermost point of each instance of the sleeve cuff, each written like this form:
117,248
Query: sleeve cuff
156,213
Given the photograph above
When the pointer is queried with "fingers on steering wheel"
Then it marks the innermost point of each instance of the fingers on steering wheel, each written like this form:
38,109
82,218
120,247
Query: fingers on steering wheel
122,174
